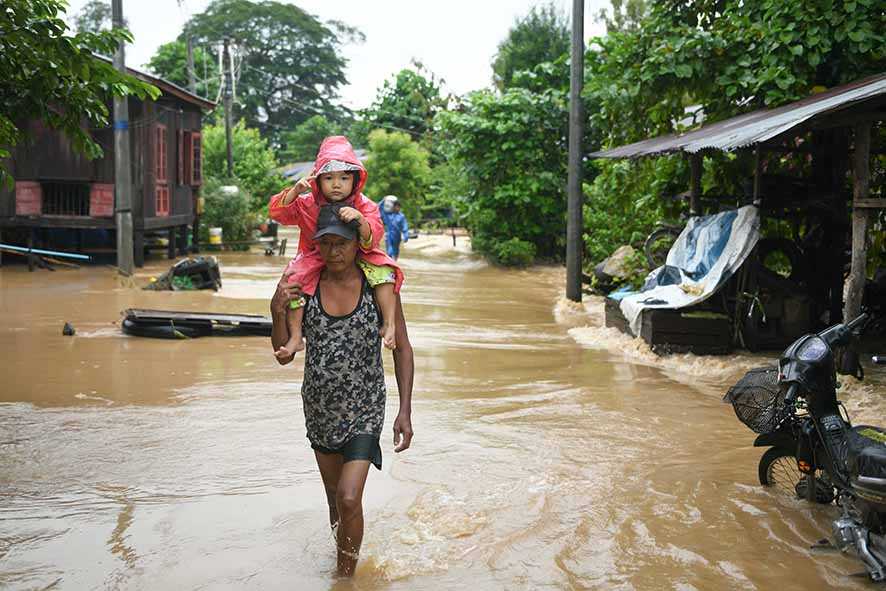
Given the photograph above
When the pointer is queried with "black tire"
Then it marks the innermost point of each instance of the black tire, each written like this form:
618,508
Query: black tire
654,249
778,471
790,250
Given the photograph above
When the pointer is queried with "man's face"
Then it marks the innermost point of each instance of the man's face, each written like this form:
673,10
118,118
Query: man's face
336,186
337,252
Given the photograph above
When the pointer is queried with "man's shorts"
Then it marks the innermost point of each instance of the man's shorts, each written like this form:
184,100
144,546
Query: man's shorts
358,447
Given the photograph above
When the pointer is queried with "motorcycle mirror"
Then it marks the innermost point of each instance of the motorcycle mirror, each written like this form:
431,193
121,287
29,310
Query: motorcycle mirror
879,359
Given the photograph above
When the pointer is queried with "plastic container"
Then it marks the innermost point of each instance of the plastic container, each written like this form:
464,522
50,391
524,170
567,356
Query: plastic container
215,235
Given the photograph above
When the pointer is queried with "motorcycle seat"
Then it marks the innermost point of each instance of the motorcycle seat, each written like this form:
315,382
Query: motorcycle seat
866,460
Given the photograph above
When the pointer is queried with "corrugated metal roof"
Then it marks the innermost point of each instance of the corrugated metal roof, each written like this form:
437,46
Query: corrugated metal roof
166,86
753,128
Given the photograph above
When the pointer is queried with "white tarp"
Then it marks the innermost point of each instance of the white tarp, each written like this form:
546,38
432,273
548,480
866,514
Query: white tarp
708,251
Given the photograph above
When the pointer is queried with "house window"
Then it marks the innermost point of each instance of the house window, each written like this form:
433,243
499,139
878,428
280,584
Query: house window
160,153
196,159
65,199
161,188
181,157
161,201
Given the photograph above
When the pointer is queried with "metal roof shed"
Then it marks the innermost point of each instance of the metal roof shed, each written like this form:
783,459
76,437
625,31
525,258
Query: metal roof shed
858,105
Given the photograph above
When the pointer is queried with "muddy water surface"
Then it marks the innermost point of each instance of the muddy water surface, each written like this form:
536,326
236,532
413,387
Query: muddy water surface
549,453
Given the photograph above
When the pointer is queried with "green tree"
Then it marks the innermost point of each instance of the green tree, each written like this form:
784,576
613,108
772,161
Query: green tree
626,15
255,167
728,57
409,101
47,73
288,63
512,151
301,144
95,16
541,36
170,62
397,165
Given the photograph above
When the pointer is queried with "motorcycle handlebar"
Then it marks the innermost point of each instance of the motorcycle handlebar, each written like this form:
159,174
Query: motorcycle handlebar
859,320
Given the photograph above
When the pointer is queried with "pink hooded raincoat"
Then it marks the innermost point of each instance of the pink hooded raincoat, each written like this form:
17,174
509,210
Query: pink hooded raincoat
304,209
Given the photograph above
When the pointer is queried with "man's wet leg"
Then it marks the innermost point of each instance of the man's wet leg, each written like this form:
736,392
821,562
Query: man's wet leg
349,500
330,470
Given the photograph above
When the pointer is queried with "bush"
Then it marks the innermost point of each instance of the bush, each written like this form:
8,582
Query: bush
511,151
512,253
397,166
254,163
229,211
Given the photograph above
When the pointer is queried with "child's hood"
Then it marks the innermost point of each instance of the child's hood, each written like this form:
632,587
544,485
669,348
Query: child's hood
337,147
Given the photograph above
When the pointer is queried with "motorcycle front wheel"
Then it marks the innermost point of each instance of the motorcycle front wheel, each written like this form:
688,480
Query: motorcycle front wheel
778,470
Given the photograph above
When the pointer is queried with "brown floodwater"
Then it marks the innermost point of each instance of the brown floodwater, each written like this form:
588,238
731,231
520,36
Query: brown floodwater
550,453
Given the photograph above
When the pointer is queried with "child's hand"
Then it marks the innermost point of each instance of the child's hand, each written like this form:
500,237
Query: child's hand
349,214
304,184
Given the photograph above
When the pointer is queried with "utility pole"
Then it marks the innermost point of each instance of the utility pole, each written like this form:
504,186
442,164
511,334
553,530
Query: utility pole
192,83
574,223
228,94
122,171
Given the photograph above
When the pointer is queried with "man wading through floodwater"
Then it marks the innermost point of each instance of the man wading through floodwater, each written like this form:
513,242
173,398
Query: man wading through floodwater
343,389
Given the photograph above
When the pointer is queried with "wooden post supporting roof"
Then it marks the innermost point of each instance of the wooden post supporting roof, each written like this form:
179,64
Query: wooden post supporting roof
854,289
695,170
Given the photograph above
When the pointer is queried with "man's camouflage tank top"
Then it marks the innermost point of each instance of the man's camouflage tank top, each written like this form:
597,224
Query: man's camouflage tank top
344,383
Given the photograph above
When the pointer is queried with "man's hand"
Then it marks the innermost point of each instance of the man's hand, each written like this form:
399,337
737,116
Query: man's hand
402,431
285,293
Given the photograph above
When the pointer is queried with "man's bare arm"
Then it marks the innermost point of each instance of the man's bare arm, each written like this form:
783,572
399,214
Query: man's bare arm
279,303
404,370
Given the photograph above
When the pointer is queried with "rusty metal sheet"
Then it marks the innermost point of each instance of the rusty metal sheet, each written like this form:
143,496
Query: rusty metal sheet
756,127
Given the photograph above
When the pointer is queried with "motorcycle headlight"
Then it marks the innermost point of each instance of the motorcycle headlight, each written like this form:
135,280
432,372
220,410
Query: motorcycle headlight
813,349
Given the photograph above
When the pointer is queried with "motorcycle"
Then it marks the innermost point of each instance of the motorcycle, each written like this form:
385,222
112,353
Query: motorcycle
814,452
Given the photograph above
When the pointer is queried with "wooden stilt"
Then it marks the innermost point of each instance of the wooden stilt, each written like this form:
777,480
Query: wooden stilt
138,248
170,250
31,257
854,289
183,240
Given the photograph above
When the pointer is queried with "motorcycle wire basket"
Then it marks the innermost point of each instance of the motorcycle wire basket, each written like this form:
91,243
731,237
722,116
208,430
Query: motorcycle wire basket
758,400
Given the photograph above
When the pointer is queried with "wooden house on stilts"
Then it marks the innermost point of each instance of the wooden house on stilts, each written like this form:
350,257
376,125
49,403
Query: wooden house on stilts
58,187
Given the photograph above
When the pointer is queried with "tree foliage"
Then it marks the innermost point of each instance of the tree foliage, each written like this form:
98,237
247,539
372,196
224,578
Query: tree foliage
47,73
397,165
512,151
170,62
726,57
408,101
303,142
730,56
625,16
255,167
231,210
290,65
541,36
95,16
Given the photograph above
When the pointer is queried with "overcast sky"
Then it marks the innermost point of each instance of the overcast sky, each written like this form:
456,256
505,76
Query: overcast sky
454,39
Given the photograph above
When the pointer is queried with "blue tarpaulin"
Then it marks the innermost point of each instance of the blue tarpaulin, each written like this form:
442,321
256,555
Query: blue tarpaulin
708,251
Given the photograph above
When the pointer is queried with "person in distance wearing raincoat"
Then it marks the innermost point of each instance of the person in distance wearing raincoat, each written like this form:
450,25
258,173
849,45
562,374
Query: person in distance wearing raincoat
396,226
